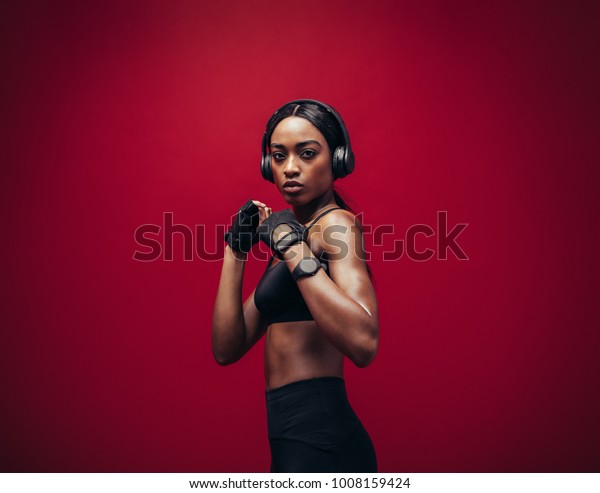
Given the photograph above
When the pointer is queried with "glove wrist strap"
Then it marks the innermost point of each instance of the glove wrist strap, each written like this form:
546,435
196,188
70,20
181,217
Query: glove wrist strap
290,239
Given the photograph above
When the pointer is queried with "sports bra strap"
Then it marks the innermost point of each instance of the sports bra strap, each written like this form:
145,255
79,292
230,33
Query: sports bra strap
321,215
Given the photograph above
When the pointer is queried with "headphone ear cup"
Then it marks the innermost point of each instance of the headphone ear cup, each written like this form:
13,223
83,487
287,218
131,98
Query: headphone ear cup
336,162
349,161
343,163
265,168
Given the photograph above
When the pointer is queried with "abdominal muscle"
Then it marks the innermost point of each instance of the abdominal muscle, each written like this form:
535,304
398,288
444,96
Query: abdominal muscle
298,351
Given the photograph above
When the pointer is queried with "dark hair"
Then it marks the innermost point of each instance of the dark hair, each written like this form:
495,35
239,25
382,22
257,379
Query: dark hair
327,124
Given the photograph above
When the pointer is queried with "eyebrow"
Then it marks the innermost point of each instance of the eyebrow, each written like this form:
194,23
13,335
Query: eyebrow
299,144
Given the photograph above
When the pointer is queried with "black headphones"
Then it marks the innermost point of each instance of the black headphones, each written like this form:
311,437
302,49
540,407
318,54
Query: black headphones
343,157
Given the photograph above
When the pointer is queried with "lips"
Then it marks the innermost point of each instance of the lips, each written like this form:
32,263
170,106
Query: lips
292,184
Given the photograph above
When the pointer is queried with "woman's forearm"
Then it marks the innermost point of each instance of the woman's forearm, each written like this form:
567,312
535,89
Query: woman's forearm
349,325
228,328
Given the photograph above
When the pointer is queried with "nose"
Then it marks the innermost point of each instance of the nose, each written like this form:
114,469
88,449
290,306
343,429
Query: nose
291,167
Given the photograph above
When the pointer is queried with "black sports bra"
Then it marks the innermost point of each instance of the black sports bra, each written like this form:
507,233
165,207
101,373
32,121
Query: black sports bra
277,296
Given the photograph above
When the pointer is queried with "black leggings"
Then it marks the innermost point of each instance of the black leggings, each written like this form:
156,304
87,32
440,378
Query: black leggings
312,428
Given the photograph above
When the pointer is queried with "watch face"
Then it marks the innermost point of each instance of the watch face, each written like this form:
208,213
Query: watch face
306,267
309,265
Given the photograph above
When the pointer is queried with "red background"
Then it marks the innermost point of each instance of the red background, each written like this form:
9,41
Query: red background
115,113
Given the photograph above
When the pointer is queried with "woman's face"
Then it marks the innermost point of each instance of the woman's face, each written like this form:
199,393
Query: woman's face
300,160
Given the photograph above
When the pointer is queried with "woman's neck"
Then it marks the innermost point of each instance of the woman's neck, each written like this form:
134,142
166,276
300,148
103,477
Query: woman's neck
307,212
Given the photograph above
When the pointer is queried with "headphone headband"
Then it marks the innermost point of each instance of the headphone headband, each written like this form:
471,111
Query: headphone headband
342,156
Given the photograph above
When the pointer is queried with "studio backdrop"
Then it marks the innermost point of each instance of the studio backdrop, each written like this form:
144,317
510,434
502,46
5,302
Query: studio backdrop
472,124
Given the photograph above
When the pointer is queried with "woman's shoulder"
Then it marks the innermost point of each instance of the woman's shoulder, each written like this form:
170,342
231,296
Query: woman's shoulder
341,217
340,238
335,226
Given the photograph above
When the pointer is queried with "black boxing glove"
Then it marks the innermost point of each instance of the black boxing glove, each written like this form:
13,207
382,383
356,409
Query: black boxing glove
242,234
281,230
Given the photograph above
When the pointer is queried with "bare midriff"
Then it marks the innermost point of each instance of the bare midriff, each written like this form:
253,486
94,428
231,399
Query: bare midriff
298,351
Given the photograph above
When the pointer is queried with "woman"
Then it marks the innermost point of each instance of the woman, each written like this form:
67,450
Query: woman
315,301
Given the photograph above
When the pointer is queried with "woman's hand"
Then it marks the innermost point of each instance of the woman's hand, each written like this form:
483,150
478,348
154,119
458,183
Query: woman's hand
281,230
263,211
242,234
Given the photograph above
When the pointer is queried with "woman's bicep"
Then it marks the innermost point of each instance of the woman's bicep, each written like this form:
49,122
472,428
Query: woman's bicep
351,276
348,268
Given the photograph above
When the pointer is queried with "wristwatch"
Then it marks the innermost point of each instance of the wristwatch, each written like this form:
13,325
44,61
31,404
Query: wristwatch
308,266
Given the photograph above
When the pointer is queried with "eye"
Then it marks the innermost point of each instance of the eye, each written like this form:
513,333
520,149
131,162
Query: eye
278,156
308,153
